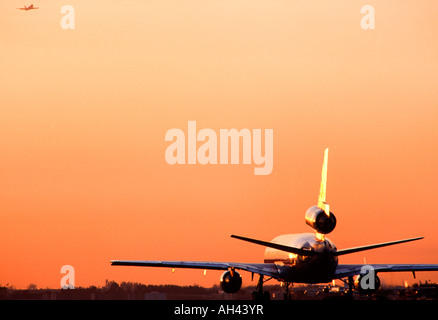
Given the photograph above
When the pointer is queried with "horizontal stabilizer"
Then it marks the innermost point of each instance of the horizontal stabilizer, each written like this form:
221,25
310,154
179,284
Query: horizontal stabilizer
373,246
277,246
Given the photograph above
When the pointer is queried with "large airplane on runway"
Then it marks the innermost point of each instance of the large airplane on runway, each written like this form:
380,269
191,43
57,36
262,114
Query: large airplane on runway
300,258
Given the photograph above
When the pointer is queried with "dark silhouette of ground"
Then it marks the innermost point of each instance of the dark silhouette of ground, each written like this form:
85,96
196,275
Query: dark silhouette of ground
137,291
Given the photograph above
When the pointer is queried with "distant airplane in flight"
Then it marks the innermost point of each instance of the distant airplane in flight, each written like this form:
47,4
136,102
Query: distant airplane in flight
31,7
300,258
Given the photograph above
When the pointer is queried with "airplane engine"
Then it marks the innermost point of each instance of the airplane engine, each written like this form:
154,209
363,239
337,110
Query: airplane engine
318,220
367,286
231,281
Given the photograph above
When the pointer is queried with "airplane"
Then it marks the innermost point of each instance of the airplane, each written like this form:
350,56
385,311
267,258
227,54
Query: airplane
300,258
31,7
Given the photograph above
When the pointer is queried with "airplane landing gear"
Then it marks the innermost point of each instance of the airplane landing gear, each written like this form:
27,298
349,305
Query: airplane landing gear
350,286
259,294
350,282
287,295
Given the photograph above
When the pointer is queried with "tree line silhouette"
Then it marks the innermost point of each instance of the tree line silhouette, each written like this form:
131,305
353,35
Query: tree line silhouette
122,291
138,291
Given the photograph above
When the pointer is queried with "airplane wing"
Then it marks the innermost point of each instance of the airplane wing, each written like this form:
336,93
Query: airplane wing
266,269
349,270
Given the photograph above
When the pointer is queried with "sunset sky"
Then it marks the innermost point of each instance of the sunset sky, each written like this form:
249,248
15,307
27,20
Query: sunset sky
84,113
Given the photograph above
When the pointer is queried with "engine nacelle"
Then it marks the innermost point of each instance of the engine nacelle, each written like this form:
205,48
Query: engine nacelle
231,281
367,283
318,220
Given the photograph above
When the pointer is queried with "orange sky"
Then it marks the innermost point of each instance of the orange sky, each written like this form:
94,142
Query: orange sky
84,112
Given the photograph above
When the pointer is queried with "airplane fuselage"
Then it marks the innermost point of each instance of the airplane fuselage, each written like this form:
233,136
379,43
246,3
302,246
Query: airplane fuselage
296,268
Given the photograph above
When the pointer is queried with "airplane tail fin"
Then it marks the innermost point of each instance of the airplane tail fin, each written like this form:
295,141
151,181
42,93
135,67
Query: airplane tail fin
322,191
